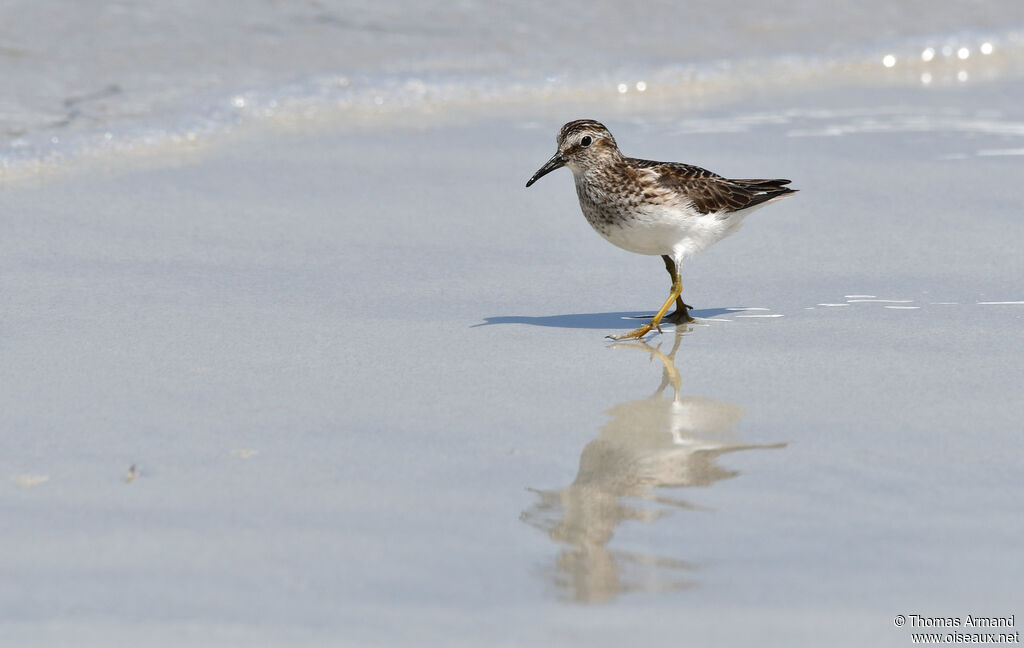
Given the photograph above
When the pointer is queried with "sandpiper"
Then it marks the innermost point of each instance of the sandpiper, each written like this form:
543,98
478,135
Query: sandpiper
659,208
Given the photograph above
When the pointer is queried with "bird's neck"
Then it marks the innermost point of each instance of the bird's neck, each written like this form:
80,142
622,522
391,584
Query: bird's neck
609,173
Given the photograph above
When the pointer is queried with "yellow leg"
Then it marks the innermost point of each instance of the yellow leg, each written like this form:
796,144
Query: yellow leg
683,309
670,374
677,289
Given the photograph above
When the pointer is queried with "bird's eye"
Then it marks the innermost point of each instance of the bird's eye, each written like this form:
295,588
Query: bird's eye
585,141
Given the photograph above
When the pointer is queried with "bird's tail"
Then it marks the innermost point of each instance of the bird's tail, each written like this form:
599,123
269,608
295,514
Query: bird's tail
766,190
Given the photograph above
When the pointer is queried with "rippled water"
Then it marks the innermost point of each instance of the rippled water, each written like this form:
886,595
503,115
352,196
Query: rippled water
82,80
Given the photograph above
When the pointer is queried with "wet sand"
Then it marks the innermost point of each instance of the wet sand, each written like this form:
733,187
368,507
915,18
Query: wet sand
363,382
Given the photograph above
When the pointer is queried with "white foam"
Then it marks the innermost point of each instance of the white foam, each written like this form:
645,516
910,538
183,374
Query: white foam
331,60
1000,152
29,480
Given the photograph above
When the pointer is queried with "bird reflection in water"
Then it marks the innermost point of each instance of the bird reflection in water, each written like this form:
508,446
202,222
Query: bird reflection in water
662,441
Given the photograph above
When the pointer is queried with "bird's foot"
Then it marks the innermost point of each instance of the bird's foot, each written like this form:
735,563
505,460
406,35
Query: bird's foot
681,316
636,334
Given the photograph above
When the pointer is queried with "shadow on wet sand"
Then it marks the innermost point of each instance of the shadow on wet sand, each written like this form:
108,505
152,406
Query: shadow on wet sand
613,320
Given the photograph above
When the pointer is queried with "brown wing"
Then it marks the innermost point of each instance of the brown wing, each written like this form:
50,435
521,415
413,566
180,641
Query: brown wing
710,192
677,169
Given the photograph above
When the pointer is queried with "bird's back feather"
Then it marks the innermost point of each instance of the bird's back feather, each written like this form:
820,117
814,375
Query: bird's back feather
710,192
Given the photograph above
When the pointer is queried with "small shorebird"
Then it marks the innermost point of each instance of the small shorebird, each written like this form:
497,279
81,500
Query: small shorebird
659,208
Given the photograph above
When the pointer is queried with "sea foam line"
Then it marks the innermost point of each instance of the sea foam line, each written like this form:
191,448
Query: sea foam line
352,99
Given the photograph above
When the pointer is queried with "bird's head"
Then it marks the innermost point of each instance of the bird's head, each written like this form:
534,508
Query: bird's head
582,144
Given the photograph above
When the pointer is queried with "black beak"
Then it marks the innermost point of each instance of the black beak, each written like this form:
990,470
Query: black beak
556,162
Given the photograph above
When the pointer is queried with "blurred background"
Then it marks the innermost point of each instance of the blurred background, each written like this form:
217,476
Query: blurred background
81,78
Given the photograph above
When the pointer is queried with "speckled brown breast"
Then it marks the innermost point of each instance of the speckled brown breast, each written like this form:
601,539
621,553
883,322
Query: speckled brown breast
611,196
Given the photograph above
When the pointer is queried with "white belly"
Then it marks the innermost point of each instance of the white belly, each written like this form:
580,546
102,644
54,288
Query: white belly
677,232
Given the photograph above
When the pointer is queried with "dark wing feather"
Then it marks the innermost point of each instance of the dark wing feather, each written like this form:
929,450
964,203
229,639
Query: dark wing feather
683,171
709,191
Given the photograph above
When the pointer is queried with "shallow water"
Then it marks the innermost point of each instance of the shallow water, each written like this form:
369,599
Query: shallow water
85,82
350,400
